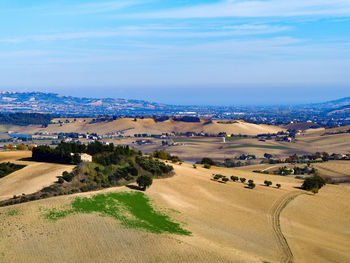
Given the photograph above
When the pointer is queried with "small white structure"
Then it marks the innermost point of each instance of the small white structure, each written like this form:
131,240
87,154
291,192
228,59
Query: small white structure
86,157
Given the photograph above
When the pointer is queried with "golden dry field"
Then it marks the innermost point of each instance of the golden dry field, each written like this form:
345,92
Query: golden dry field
229,223
29,179
130,127
335,169
317,142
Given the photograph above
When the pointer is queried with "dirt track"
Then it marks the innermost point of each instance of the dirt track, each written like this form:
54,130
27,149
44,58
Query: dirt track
278,206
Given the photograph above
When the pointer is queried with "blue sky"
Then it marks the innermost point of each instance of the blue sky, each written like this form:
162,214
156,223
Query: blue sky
178,51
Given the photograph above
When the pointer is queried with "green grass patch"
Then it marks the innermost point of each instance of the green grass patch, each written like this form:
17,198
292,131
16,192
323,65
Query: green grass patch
131,209
258,146
12,212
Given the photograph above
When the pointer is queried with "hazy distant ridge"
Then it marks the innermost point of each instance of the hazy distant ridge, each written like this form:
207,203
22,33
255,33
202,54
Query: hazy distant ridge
68,105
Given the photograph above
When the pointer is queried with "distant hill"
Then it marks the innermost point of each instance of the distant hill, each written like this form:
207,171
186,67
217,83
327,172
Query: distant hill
334,104
68,106
59,104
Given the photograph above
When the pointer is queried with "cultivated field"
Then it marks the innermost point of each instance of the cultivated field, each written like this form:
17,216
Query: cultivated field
130,127
31,178
229,223
335,169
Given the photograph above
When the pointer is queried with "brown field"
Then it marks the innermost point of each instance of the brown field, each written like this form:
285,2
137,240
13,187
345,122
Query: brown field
335,169
130,127
317,227
195,148
29,179
310,141
229,223
314,142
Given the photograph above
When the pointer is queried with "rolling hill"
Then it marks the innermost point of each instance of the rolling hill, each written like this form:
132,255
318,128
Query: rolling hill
131,126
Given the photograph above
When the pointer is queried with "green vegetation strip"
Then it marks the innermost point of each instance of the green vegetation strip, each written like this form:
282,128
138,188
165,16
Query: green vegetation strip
131,209
8,168
258,146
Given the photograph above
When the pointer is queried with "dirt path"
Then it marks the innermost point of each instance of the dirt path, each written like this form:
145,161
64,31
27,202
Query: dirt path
278,206
268,168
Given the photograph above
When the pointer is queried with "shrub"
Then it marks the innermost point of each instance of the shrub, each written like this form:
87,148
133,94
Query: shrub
313,182
314,190
217,176
267,183
225,179
21,147
195,166
67,176
60,180
153,166
251,184
242,180
207,166
278,185
144,181
209,161
234,178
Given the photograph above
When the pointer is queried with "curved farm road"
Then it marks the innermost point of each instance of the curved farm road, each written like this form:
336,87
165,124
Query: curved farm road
278,206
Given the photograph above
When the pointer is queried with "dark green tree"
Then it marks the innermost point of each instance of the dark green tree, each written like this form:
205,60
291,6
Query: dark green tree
313,182
234,178
267,183
224,179
144,181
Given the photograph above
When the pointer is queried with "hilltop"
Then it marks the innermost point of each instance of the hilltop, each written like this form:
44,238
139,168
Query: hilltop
59,105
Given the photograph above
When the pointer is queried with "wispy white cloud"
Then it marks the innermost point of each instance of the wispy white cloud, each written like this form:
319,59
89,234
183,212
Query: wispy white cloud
257,8
156,31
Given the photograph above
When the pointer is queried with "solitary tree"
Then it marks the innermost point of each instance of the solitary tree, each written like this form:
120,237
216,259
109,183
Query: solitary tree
242,179
251,184
267,183
313,182
250,181
224,179
278,186
217,176
234,178
144,181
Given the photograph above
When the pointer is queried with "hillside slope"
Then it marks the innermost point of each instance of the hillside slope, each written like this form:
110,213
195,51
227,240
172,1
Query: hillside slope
229,223
147,125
